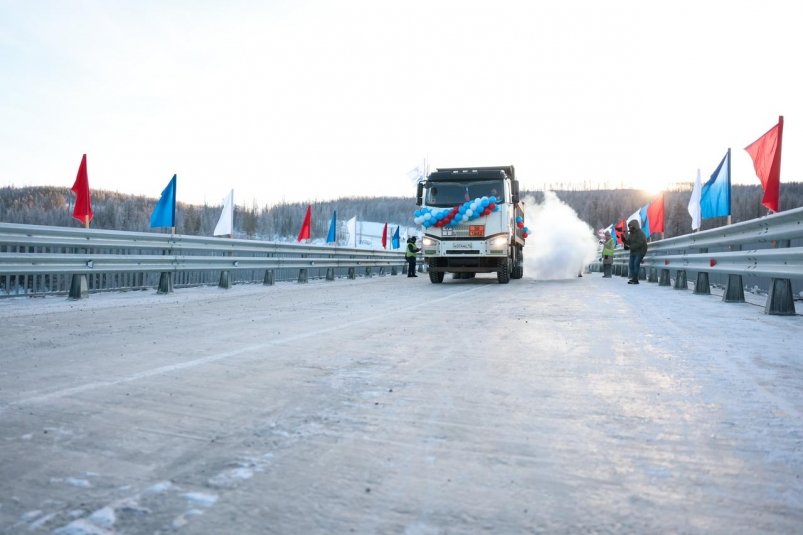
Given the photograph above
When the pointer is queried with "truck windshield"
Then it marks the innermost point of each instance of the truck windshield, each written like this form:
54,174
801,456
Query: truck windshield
453,193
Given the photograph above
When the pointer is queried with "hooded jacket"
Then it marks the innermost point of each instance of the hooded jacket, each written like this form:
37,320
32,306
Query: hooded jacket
637,240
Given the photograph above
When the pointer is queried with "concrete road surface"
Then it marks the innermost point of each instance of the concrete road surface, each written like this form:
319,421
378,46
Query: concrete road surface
392,405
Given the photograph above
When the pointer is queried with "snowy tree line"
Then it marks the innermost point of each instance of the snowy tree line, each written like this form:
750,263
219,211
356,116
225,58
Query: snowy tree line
113,210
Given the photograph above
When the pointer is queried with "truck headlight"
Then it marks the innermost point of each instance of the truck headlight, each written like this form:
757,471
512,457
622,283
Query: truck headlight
426,241
498,241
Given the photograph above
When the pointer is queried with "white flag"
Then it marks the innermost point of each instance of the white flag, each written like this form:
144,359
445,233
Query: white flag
351,227
225,224
635,216
694,203
419,172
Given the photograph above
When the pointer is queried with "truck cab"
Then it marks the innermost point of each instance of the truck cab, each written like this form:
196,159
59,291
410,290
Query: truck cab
472,222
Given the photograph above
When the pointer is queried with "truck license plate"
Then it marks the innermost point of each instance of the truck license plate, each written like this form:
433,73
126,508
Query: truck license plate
476,230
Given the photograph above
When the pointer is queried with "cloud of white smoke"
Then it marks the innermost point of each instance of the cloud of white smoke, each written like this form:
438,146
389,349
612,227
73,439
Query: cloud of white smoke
559,244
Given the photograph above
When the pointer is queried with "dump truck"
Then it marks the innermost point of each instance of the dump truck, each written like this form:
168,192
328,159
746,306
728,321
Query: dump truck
473,222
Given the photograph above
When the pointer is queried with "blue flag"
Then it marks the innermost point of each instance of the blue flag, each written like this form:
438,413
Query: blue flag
394,241
715,197
613,235
164,215
645,221
332,236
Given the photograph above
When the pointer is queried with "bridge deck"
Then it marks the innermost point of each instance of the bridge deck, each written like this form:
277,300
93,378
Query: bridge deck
396,406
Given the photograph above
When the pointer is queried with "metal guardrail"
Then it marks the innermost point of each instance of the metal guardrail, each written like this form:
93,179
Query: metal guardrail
38,260
770,247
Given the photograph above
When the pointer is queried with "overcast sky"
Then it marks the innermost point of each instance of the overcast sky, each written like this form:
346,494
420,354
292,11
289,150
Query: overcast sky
303,100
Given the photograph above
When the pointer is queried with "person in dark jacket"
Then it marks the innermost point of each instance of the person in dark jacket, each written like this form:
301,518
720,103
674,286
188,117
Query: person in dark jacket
409,254
637,242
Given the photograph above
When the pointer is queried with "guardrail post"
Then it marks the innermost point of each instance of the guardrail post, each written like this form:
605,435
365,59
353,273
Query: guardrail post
702,287
653,275
302,275
165,283
394,270
79,287
368,272
665,281
330,274
352,273
780,301
270,277
734,291
680,280
225,280
382,271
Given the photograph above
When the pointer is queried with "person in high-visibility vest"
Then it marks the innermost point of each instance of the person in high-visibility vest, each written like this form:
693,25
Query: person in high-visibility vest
409,254
607,255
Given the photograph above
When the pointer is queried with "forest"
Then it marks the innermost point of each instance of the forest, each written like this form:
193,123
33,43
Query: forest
280,222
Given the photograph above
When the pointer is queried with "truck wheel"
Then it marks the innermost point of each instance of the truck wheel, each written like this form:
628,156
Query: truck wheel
518,265
436,277
503,273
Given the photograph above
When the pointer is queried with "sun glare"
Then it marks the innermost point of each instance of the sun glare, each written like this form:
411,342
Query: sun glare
653,188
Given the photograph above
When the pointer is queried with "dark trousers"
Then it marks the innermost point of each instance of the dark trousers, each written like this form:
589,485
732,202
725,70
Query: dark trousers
410,266
634,266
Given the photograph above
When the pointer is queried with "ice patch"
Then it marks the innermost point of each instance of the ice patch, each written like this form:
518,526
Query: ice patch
158,488
103,517
73,481
28,436
202,499
41,522
30,515
230,478
82,527
77,482
182,520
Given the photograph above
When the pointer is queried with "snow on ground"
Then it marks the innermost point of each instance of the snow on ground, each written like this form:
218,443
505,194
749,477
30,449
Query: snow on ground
392,405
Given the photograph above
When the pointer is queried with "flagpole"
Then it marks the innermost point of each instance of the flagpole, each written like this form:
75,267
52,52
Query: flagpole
730,178
86,221
778,158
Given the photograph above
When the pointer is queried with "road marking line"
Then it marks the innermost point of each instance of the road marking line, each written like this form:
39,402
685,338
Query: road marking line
220,356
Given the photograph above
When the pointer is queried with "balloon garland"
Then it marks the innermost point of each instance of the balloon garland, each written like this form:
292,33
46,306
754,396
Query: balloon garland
451,217
468,211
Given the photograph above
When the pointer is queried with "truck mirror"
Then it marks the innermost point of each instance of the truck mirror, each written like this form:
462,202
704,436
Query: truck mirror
515,191
419,195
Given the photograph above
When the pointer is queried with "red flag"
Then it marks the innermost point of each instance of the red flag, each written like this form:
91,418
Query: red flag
620,231
766,155
83,205
655,214
304,233
385,237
